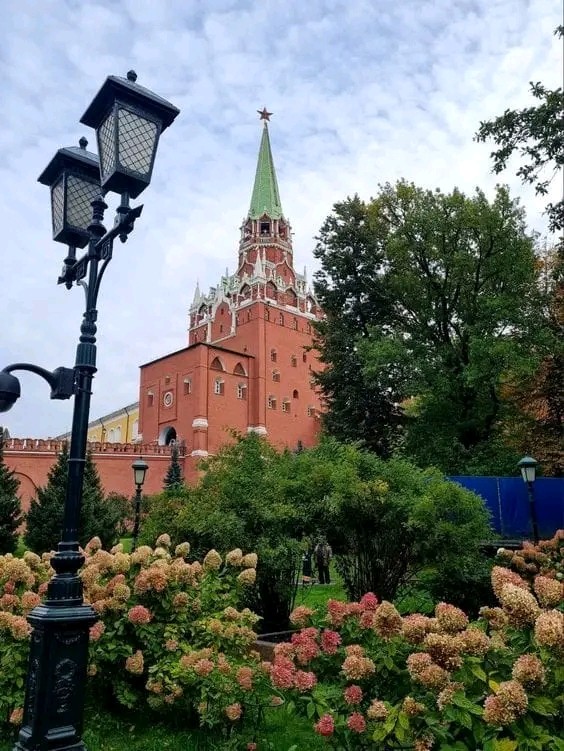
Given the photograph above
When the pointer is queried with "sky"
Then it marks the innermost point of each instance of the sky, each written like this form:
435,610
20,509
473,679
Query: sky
363,92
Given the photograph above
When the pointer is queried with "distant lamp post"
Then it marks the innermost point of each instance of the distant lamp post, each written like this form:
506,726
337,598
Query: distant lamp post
139,471
528,467
129,120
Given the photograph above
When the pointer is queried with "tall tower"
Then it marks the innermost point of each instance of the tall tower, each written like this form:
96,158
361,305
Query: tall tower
248,364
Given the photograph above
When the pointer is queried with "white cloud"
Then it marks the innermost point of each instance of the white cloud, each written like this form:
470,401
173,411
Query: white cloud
362,92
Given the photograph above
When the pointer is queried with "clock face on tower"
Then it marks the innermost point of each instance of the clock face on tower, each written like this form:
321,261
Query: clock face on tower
168,399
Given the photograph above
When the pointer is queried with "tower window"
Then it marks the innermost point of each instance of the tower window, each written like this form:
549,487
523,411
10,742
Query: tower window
281,319
271,402
295,394
265,228
294,361
273,355
150,398
187,386
286,405
304,356
276,376
310,411
241,391
218,387
295,324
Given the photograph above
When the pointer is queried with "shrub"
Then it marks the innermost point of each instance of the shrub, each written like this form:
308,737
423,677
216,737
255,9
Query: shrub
368,678
242,500
387,521
170,636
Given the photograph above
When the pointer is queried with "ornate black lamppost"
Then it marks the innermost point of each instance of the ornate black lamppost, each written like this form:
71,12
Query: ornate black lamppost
528,467
128,120
139,471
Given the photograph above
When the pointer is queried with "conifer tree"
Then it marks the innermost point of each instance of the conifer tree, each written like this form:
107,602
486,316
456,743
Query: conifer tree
173,478
44,520
98,518
10,509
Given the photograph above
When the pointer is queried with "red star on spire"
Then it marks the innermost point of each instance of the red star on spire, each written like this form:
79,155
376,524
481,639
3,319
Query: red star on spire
264,114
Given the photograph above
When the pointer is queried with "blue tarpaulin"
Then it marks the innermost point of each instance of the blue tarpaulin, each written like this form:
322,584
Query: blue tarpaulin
508,502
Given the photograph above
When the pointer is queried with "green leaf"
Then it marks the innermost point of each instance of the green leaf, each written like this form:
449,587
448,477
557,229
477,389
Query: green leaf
542,705
310,710
479,672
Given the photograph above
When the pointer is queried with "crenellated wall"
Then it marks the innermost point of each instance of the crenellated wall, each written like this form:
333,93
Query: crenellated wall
31,459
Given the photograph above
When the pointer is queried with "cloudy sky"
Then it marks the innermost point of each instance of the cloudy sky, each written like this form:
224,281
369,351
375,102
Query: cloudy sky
363,92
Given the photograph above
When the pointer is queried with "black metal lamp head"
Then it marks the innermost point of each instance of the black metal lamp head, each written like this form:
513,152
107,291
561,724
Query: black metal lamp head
128,119
73,175
140,468
528,467
9,391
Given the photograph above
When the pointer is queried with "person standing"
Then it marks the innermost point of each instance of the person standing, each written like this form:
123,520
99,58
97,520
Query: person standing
323,555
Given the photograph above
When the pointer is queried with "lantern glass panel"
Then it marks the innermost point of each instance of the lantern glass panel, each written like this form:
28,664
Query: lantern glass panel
107,146
137,142
139,474
58,206
528,473
80,194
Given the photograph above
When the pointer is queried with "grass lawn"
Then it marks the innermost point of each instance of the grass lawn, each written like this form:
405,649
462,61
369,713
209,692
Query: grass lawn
105,732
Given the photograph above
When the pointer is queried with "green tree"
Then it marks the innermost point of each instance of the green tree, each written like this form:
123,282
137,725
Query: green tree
100,517
536,134
173,479
10,508
456,312
354,299
44,519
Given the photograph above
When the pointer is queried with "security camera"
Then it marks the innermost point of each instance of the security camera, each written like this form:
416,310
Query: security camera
9,391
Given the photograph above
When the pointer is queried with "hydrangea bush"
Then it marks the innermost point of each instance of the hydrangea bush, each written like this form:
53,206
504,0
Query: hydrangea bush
369,678
169,634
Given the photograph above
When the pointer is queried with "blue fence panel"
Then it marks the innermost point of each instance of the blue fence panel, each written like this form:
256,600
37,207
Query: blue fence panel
508,502
487,488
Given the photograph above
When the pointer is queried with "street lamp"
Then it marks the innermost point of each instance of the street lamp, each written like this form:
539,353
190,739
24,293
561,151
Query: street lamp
139,471
528,467
128,120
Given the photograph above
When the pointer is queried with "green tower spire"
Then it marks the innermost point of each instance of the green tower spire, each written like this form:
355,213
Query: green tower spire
265,198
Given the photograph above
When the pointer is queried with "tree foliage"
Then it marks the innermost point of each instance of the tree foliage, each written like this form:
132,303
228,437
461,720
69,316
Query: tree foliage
536,134
240,502
388,520
385,520
10,508
353,298
173,479
99,517
539,424
443,309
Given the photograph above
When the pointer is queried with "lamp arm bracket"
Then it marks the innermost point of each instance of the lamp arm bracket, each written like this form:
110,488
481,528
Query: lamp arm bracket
61,380
125,222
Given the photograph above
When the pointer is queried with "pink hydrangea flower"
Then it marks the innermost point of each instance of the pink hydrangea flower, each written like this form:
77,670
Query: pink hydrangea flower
330,641
353,694
369,601
304,681
139,615
356,723
325,726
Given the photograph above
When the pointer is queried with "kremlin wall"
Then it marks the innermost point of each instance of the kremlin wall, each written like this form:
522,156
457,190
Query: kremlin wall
248,366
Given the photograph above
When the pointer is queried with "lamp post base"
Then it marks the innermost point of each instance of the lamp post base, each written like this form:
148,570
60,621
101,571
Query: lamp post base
56,678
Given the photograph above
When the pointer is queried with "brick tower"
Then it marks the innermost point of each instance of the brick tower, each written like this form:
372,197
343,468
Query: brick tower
247,365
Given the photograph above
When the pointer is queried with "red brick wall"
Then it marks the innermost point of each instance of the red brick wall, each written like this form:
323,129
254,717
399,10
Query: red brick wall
31,461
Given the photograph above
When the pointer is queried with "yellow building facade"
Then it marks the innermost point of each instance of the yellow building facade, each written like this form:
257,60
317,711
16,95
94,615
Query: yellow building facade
121,426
